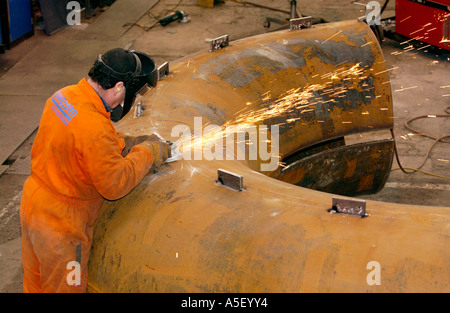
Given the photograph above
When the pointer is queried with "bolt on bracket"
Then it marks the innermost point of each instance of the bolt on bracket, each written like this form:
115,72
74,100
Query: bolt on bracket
348,206
301,22
163,70
230,180
218,43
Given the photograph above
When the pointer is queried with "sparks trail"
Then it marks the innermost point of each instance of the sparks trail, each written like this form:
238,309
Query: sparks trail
332,36
407,88
300,100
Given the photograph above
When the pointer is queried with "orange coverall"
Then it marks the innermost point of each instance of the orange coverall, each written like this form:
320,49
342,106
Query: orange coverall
76,162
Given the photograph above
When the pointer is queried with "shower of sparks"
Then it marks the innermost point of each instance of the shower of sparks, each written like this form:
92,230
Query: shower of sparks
410,47
303,99
298,101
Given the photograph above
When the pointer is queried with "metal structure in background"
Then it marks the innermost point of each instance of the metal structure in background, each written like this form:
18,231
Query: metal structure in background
92,4
181,231
296,20
15,22
425,21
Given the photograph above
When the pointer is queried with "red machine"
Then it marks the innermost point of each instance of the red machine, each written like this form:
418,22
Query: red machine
424,20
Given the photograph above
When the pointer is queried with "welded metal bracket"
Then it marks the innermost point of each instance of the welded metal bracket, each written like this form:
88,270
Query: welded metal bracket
301,22
348,206
163,70
230,180
218,43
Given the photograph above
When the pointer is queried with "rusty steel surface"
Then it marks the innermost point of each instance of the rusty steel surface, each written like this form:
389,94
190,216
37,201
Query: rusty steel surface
348,170
178,231
335,68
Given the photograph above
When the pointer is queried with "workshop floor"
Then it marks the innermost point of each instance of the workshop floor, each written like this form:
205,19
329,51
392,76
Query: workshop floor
33,70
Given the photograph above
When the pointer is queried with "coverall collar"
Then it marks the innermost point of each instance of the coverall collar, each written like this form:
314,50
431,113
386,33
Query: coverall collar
105,104
95,98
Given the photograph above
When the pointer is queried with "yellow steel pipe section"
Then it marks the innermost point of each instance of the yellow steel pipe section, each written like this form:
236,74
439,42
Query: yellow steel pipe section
180,231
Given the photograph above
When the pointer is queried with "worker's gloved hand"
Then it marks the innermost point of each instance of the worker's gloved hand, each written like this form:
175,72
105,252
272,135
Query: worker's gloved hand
161,151
131,141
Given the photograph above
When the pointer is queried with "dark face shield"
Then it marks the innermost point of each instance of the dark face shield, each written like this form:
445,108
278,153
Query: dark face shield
145,75
130,98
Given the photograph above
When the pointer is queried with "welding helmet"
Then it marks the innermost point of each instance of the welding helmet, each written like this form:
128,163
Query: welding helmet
135,69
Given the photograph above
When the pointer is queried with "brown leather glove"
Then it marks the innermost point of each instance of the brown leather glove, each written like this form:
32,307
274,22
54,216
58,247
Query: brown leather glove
161,151
131,141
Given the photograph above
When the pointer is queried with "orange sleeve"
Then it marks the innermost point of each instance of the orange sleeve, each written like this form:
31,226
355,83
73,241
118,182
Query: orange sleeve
113,175
120,134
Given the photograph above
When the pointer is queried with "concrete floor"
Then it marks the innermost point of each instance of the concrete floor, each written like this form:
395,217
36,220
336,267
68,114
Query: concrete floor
33,70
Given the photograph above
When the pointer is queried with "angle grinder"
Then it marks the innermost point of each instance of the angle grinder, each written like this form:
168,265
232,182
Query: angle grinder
181,16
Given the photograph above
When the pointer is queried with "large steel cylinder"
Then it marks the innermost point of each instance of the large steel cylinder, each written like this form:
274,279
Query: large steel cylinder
180,230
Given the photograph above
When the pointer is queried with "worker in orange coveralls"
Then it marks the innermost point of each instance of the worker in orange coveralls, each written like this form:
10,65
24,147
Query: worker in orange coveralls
78,160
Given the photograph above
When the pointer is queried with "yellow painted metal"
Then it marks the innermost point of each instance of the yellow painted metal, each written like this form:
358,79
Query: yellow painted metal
205,3
178,231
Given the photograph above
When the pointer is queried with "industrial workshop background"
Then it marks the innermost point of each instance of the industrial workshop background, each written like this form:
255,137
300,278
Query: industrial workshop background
359,92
